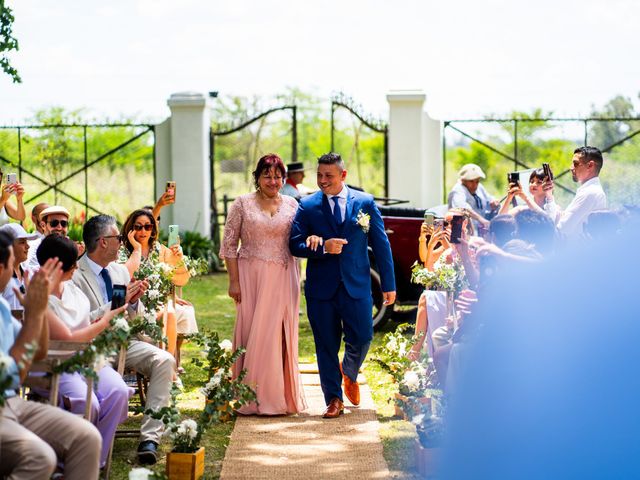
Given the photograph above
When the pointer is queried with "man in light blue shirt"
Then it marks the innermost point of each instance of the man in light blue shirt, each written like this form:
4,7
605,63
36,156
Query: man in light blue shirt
469,193
35,436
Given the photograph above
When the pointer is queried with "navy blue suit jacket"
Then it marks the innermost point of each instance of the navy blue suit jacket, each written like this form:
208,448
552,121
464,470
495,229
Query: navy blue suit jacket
324,270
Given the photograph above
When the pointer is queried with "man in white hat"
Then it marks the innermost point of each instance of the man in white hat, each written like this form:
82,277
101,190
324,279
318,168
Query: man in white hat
54,219
470,194
20,252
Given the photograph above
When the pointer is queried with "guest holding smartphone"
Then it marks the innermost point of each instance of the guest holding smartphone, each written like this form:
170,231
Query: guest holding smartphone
7,209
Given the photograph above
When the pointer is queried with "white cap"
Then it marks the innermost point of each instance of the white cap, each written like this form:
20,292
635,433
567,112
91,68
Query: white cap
471,171
17,232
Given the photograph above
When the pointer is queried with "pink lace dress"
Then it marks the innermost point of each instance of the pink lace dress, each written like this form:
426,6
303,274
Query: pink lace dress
267,316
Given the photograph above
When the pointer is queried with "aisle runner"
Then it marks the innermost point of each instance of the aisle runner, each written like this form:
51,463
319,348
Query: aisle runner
306,446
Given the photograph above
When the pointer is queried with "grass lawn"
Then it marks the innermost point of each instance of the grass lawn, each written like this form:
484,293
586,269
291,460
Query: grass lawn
215,311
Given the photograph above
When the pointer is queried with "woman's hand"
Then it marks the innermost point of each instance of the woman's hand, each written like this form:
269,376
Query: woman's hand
313,242
183,302
176,250
234,291
132,240
18,189
6,192
110,314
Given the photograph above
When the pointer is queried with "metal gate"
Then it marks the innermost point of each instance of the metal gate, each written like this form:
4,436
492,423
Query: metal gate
365,150
235,151
88,168
503,145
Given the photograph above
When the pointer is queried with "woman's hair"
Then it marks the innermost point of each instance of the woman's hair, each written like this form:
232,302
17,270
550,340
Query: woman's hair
128,226
55,245
538,174
502,227
266,163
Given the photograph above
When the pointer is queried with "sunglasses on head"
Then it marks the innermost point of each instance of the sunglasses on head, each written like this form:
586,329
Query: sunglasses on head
55,223
148,227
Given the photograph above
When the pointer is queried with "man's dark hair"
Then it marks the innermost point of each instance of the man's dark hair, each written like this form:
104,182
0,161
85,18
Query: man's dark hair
95,228
332,159
6,241
590,153
602,224
536,228
58,246
503,228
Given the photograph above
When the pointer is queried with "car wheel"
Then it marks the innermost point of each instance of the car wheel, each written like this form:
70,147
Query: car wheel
379,313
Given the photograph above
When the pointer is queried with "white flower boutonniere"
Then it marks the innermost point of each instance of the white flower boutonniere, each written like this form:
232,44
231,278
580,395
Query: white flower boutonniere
363,220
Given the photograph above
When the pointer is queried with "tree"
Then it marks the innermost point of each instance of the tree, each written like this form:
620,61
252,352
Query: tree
7,42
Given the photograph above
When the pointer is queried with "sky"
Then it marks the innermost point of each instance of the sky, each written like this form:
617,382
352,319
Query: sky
124,58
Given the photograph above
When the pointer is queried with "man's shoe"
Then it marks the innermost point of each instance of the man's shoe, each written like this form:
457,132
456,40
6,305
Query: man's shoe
351,389
148,452
334,409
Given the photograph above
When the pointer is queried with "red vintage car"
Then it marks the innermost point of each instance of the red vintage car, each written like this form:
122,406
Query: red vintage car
402,225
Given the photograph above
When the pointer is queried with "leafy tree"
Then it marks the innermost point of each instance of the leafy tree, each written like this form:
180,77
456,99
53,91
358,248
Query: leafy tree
7,42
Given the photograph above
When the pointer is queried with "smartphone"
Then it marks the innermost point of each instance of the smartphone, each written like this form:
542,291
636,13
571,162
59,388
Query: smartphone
429,217
118,297
456,228
547,171
12,178
171,188
513,178
174,230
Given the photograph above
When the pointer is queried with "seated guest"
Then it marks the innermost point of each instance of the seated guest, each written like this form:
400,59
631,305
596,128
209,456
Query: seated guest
602,224
97,272
20,252
68,318
34,436
52,220
7,209
35,218
140,238
537,229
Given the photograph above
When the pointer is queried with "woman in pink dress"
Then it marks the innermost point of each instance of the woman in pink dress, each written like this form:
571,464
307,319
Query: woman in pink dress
264,283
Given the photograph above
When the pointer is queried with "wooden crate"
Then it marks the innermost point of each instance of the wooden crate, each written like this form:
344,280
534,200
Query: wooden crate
185,466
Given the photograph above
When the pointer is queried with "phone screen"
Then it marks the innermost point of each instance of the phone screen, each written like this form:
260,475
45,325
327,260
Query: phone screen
173,235
456,228
118,297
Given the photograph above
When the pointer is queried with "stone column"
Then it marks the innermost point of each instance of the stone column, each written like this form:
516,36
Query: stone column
188,163
415,158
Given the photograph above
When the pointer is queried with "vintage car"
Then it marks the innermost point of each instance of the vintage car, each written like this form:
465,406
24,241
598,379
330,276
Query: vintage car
402,225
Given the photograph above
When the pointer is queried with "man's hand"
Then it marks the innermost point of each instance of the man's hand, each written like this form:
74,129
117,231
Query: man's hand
389,298
135,290
334,245
494,204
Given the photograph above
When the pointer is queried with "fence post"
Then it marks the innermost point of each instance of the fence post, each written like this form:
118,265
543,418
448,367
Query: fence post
188,162
415,150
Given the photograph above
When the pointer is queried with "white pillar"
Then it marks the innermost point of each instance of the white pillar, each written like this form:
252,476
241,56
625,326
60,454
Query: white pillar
415,158
189,165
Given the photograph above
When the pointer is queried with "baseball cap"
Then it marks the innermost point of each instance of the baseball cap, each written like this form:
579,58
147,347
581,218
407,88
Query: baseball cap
471,171
53,210
17,232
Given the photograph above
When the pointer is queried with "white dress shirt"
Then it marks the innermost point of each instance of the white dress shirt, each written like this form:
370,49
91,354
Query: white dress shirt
342,201
95,268
589,197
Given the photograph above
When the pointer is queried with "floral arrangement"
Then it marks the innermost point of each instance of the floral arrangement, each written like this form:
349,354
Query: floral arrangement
145,474
363,219
430,424
106,344
392,354
222,393
445,276
5,379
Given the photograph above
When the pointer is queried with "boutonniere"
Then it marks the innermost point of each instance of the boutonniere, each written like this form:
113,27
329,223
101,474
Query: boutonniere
363,220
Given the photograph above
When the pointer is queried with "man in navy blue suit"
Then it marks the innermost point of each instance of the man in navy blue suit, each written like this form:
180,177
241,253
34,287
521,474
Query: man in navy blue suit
342,222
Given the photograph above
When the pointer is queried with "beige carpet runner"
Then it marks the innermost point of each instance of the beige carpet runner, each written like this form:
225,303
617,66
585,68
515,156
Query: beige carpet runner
307,446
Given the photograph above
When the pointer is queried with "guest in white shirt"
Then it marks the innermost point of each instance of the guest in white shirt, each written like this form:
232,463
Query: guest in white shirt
587,163
20,252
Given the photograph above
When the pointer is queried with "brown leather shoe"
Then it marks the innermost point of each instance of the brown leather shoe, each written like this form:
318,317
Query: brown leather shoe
334,409
351,390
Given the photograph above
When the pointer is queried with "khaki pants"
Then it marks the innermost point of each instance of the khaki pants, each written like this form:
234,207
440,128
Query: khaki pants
33,435
159,365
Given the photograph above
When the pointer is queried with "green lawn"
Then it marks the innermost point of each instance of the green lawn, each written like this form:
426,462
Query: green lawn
215,311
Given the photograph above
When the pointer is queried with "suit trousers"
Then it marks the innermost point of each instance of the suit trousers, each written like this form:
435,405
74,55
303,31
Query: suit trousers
159,365
33,435
329,320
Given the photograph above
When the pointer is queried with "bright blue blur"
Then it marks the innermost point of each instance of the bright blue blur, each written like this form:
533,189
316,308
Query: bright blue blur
551,386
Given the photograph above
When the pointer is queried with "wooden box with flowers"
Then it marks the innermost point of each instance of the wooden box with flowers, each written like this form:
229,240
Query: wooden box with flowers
222,394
